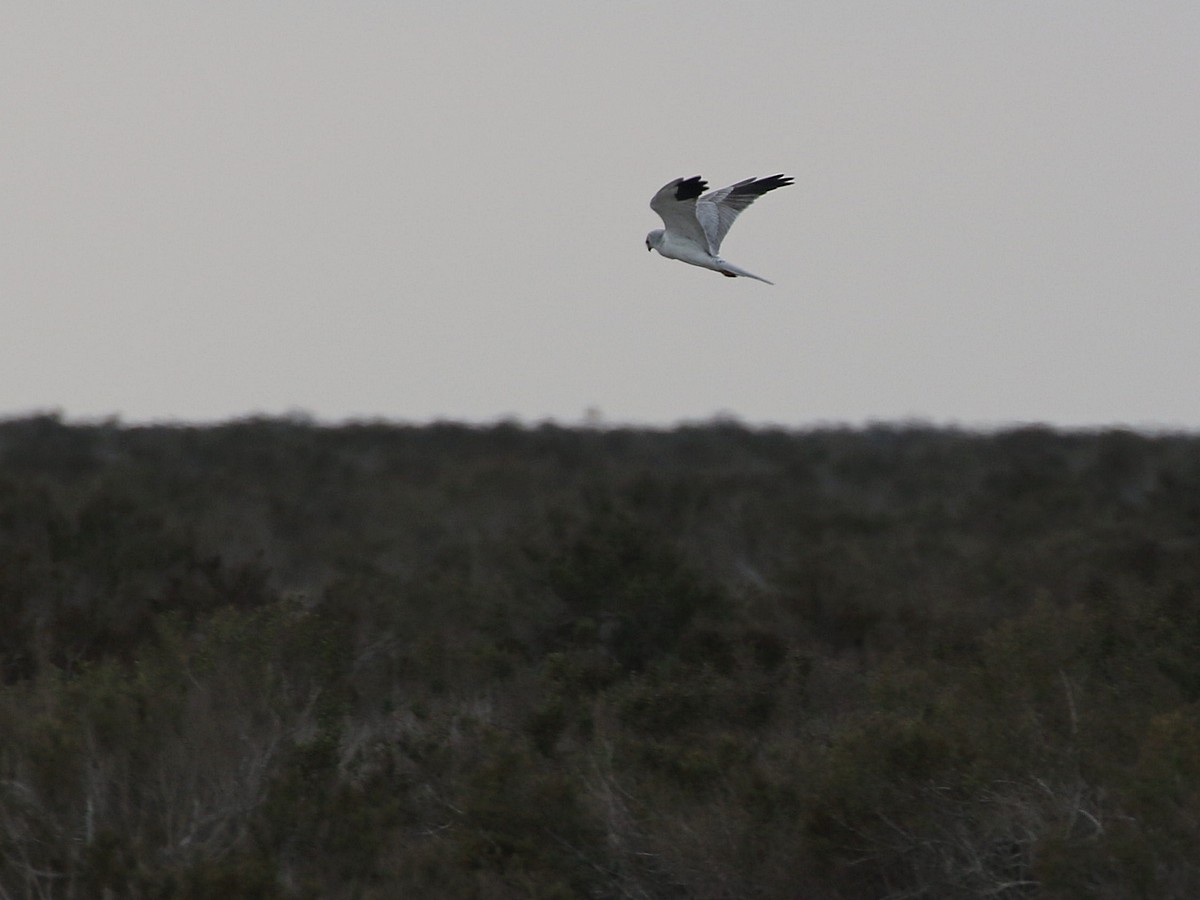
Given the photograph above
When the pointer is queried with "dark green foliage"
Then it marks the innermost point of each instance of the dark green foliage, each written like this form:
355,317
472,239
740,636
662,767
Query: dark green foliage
624,585
273,660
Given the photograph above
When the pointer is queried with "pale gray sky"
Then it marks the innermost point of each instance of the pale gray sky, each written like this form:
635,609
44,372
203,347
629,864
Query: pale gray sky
418,210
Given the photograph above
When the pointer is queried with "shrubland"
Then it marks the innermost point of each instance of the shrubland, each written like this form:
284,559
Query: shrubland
270,659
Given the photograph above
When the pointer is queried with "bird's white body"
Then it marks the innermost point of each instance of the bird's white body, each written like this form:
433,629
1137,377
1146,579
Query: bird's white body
674,247
696,222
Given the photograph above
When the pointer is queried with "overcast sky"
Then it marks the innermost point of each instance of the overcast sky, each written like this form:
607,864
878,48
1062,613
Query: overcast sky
415,210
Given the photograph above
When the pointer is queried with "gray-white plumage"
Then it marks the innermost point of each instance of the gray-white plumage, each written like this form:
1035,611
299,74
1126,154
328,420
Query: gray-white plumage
697,222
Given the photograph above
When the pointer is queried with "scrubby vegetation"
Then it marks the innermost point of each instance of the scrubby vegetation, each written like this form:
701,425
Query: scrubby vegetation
275,660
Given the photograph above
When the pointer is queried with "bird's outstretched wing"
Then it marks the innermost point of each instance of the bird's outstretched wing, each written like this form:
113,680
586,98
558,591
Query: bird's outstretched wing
675,204
717,211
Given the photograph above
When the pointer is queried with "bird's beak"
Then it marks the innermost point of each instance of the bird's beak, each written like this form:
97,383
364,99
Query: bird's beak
648,248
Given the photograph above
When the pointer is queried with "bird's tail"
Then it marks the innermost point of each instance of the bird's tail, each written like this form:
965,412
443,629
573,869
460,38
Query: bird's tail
733,271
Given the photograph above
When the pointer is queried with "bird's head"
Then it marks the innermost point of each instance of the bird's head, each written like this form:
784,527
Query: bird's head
654,239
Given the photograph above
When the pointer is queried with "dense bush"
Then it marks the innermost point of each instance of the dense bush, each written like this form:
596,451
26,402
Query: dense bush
269,659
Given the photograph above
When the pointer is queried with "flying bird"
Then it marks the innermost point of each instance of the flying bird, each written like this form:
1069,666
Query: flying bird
697,222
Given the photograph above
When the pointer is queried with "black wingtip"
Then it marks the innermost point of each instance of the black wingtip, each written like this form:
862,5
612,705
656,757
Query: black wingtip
760,186
690,188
